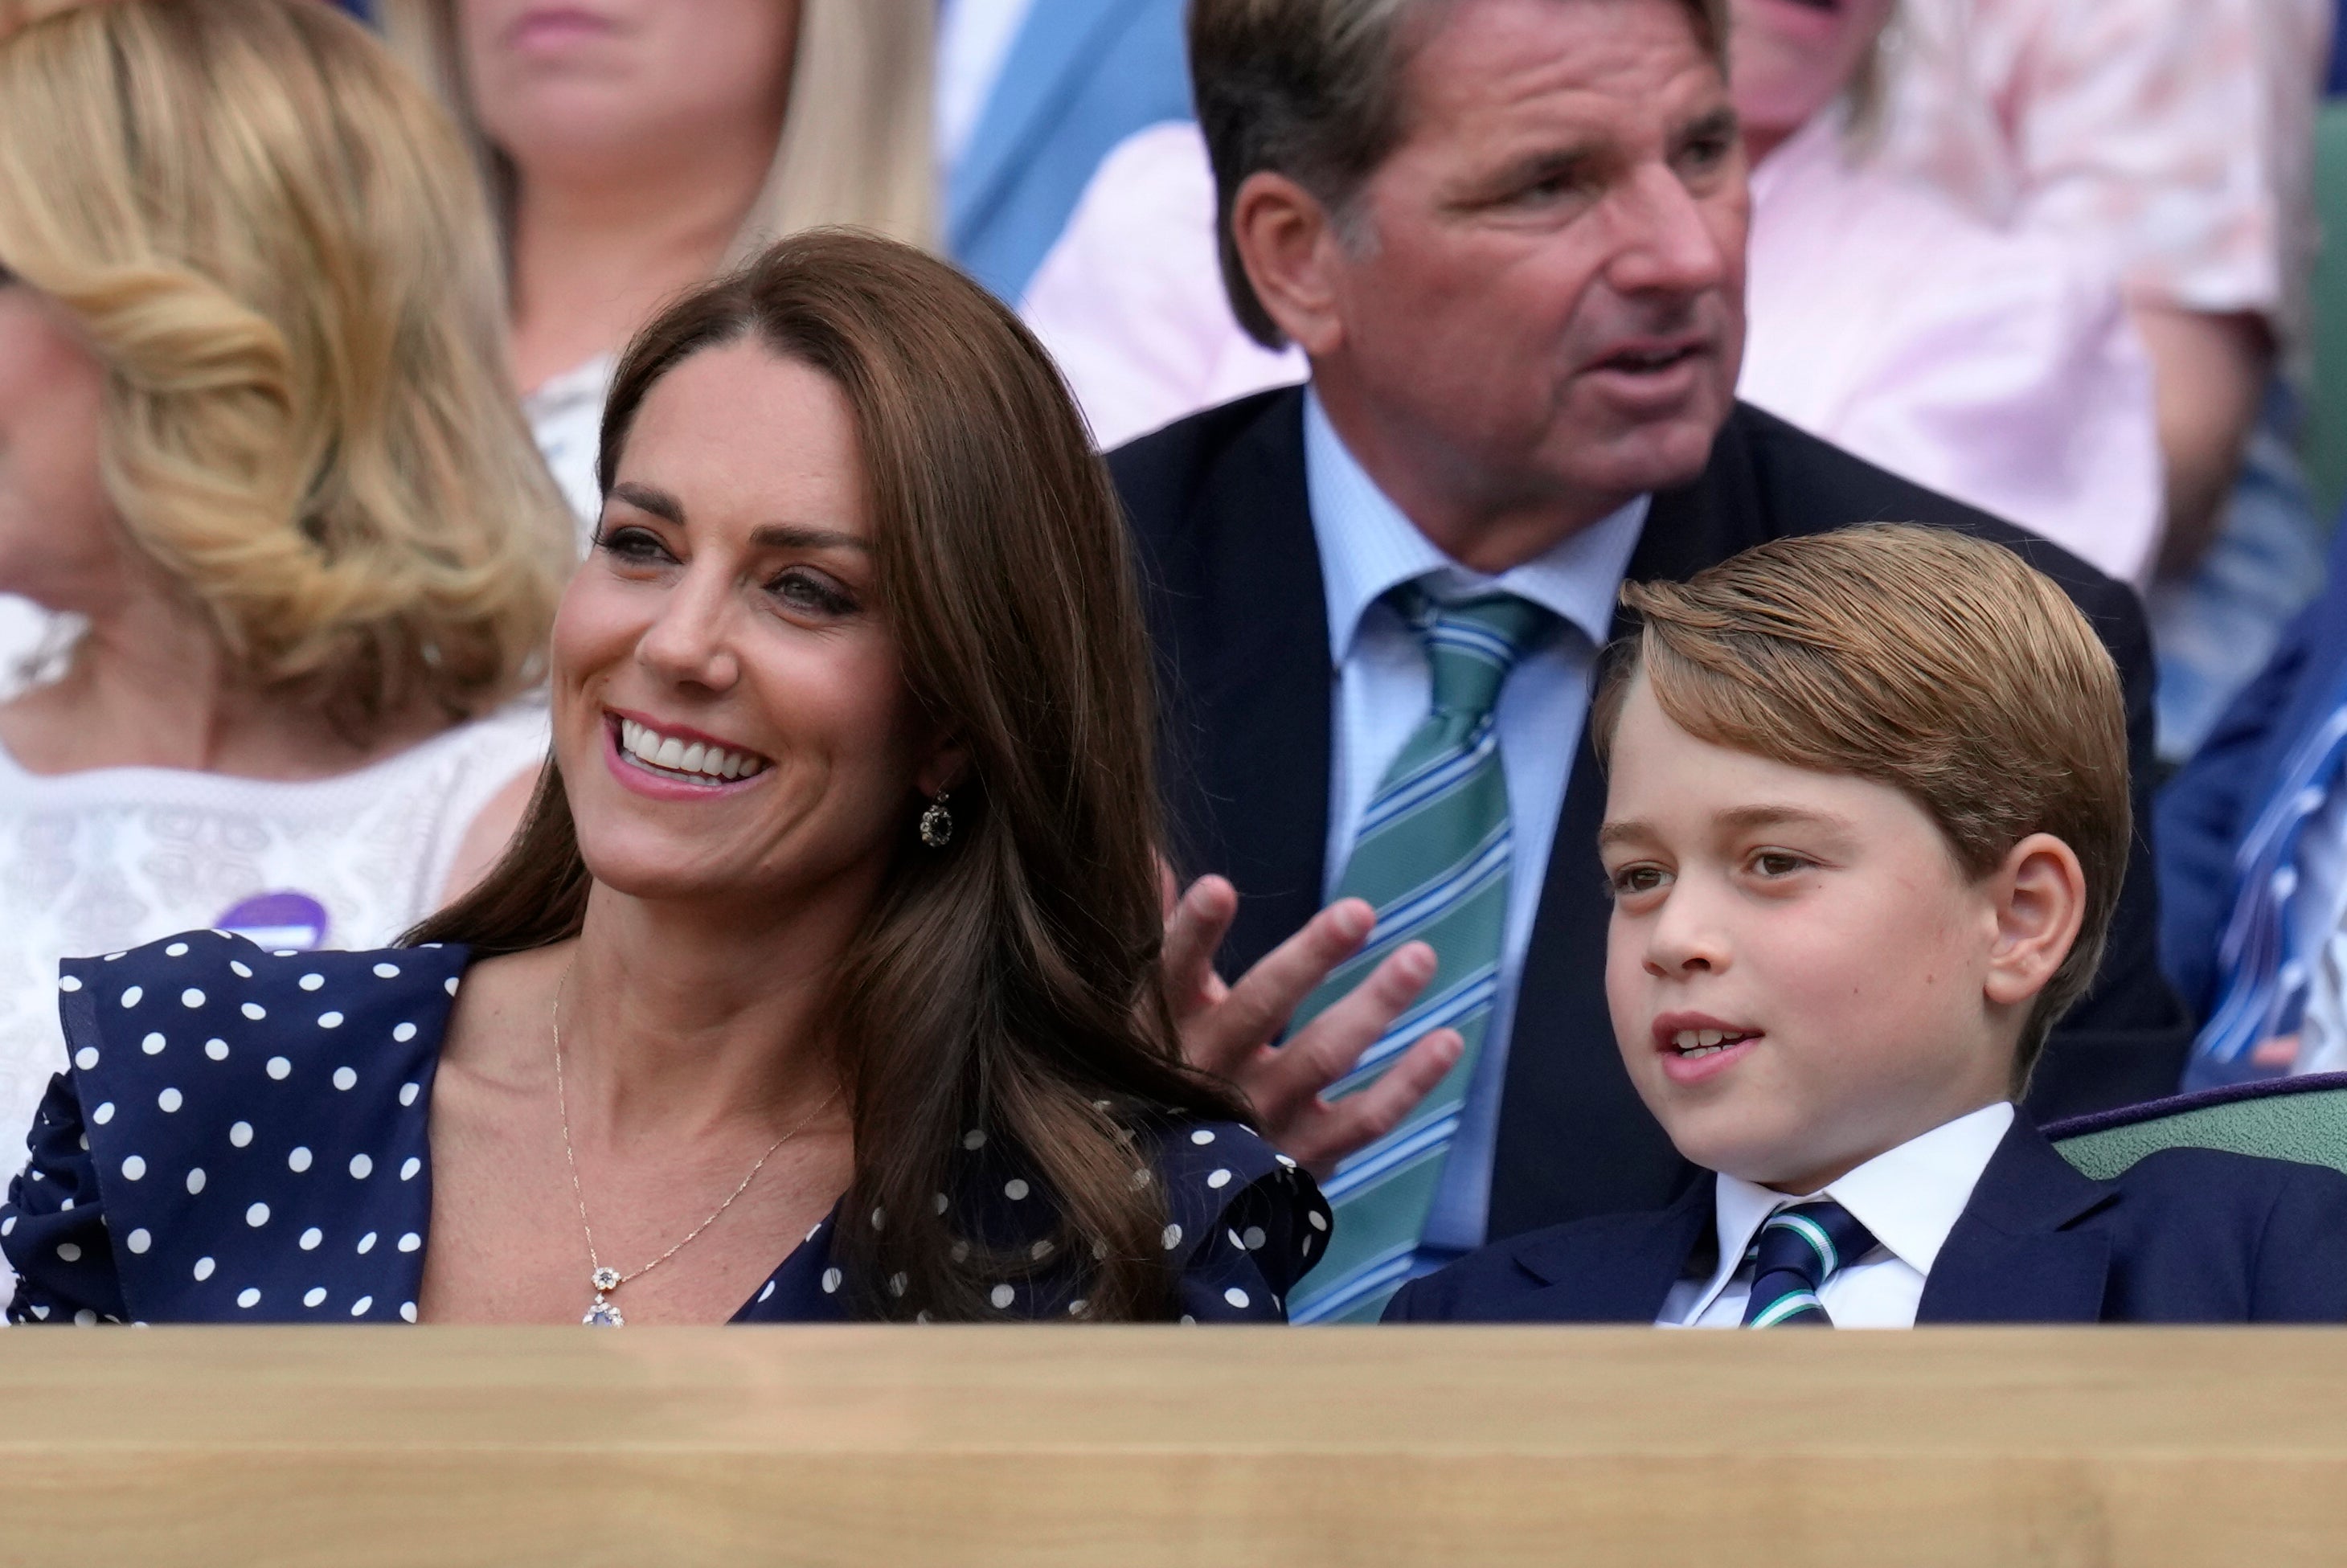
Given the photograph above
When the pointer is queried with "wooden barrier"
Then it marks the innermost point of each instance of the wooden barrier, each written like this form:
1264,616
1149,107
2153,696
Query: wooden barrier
1357,1448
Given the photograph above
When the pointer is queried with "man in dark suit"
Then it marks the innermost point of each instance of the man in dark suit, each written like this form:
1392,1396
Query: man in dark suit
1509,236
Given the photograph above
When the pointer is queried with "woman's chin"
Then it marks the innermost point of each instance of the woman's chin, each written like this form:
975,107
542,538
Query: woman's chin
660,871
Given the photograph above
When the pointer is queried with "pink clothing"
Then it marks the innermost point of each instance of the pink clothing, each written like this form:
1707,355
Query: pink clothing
1129,300
1995,369
2174,136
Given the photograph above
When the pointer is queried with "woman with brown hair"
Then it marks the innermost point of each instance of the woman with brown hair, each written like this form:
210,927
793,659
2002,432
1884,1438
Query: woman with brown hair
836,914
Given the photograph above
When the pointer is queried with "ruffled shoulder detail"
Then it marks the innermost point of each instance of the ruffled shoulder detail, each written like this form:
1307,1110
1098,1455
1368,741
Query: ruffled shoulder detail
1245,1222
227,1115
53,1227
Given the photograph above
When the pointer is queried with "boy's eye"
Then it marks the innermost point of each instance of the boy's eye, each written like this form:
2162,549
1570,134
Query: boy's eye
1777,863
1632,880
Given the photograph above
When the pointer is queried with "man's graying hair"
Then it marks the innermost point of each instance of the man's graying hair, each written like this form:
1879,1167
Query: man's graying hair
1312,90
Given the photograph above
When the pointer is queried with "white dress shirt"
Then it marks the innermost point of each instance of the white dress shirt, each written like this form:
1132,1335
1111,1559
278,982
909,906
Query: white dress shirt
974,39
1384,689
1910,1198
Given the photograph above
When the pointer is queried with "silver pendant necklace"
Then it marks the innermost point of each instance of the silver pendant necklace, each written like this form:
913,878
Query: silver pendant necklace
602,1277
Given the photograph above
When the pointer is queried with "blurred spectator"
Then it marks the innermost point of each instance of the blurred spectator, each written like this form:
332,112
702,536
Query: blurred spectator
636,147
1031,94
1997,369
2173,139
2252,837
256,431
1130,303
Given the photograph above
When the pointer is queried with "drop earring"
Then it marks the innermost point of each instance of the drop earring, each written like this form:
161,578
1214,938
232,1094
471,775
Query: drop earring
937,824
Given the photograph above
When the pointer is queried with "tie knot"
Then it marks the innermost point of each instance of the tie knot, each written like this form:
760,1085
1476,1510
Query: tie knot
1471,645
1799,1249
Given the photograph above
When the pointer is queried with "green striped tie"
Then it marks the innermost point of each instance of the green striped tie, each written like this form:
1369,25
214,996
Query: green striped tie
1431,857
1800,1247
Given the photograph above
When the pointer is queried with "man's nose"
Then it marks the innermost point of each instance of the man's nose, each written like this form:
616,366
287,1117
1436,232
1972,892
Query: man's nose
1667,239
691,641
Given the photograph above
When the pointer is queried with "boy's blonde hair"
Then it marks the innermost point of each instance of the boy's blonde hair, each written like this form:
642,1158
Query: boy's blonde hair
1919,658
275,245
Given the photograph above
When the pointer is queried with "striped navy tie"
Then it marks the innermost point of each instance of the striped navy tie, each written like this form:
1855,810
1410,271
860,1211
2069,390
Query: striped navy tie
1799,1248
1431,857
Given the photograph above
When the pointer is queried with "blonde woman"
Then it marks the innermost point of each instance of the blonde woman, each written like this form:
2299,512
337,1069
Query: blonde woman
637,148
256,431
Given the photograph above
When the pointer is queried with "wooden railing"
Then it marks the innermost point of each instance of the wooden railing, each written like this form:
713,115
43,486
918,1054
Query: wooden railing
1300,1448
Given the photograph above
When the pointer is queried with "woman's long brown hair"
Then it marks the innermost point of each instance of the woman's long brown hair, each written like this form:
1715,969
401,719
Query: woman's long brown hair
1008,983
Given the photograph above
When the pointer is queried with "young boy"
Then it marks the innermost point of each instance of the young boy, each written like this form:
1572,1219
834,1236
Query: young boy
1866,819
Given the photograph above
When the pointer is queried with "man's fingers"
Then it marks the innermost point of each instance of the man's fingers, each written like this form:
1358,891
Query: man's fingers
1263,999
1330,1046
1354,1122
1201,920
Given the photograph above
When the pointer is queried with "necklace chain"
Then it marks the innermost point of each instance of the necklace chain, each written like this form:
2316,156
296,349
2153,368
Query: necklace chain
606,1280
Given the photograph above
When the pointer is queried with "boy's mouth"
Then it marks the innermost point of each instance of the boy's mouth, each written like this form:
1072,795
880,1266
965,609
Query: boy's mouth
1697,1042
1694,1046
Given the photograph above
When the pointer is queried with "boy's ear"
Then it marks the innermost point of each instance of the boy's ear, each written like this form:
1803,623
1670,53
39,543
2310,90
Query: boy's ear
2039,898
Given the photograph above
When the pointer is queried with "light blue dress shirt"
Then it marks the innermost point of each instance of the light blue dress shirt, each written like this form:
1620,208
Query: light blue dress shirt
1381,692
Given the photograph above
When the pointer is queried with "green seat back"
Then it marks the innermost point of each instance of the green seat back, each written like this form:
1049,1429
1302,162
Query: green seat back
2302,1119
2326,422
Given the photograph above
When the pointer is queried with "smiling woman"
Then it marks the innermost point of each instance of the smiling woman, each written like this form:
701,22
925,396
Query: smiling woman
835,916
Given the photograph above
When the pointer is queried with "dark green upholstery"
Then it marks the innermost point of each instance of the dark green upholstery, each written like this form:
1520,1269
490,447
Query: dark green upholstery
2326,423
2301,1119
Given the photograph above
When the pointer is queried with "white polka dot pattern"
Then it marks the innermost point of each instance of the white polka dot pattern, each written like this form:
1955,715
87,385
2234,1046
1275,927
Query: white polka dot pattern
219,1212
241,1221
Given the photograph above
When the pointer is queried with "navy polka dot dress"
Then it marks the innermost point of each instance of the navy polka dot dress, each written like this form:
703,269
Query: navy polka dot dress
241,1138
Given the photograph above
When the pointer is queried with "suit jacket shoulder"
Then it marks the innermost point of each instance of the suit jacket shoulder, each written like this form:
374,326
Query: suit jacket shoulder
2258,1241
2184,1235
1609,1268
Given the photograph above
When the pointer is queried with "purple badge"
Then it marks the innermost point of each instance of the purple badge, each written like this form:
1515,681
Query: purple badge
277,920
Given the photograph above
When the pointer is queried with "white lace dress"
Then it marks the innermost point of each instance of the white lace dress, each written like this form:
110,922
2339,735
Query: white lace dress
101,861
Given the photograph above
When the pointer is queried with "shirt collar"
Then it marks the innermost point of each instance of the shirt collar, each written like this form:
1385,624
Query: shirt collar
1369,548
1910,1197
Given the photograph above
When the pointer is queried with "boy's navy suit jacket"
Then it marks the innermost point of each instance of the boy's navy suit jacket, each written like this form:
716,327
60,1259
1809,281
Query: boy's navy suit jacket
2186,1235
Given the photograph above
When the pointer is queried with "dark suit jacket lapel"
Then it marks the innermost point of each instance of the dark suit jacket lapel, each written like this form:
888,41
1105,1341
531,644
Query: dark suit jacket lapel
1618,1268
1252,719
1574,1138
2013,1257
